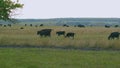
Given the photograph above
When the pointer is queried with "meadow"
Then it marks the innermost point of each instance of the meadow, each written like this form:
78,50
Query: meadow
23,48
89,37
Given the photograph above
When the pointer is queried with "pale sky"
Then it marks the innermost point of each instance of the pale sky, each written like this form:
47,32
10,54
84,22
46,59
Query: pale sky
40,9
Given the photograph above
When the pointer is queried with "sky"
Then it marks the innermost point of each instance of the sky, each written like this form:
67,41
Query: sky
44,9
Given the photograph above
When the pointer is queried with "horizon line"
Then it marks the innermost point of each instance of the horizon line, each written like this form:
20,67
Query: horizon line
66,17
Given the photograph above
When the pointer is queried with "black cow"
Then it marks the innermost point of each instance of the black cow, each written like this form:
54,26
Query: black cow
44,32
25,24
41,24
31,25
9,25
107,26
5,25
113,35
116,25
60,33
70,34
80,25
21,28
65,25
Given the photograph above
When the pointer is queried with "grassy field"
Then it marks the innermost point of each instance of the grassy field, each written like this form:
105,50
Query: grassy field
89,37
58,52
57,58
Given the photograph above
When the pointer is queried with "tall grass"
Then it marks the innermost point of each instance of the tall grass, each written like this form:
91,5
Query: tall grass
89,37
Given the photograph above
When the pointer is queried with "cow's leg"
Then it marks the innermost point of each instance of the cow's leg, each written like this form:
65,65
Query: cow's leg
117,37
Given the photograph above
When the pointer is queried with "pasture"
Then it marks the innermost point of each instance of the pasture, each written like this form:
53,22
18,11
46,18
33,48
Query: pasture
89,37
89,49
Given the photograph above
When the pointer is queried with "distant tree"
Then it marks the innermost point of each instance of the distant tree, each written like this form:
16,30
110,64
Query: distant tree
7,9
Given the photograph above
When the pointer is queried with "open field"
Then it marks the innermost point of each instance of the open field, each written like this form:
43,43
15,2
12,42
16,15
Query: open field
57,58
58,52
89,37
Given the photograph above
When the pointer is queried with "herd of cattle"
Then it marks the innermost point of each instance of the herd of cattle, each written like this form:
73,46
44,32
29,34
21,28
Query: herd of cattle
64,25
47,32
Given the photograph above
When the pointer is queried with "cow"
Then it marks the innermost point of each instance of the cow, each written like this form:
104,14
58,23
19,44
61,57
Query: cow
60,33
5,25
21,28
31,25
107,26
80,25
116,26
65,25
25,24
44,32
70,34
41,24
9,25
113,35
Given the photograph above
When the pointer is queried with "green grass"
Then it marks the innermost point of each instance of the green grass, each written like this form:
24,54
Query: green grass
57,58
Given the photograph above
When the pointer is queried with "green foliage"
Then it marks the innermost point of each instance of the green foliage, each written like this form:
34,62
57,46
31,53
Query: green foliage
7,7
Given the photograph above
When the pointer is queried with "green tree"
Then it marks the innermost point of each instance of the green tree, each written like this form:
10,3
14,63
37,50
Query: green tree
7,8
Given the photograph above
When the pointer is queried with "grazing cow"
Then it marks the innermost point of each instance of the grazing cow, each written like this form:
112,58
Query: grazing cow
116,25
9,25
65,25
44,32
41,24
60,33
114,35
70,34
21,28
80,25
4,25
107,26
31,25
25,24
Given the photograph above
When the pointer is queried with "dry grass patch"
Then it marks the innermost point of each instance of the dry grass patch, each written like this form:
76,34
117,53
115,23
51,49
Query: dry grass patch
84,37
